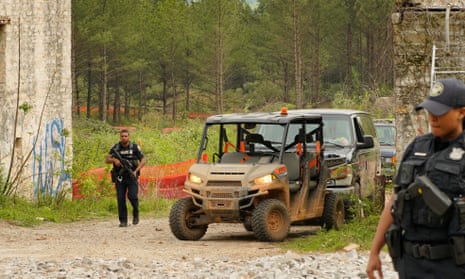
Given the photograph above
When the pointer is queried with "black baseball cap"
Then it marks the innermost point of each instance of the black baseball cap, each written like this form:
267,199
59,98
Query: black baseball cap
445,95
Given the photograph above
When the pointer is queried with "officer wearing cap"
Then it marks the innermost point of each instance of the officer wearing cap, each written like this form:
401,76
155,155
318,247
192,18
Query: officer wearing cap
423,223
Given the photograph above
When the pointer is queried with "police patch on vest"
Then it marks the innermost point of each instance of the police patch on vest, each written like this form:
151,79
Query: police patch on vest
456,153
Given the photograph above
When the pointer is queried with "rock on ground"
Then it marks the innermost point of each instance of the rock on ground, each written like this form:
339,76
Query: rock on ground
100,249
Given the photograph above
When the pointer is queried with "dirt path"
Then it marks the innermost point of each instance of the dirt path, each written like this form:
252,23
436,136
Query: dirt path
149,240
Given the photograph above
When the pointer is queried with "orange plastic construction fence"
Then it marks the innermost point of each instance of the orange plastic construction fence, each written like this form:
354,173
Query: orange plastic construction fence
161,181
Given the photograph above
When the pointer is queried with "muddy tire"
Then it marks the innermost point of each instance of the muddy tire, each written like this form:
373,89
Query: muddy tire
248,224
333,213
271,221
181,224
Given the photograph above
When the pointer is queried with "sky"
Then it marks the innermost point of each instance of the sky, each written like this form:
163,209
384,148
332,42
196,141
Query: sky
252,3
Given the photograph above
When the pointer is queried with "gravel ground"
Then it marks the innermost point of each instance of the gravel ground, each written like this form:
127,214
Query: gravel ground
100,249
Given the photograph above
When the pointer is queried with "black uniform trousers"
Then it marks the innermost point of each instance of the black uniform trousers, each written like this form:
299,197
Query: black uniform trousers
127,186
420,268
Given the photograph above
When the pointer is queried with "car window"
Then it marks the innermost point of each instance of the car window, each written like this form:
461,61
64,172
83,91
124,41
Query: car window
367,125
386,134
338,130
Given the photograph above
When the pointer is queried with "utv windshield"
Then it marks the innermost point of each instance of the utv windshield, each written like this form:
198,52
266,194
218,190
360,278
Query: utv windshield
268,133
252,139
274,133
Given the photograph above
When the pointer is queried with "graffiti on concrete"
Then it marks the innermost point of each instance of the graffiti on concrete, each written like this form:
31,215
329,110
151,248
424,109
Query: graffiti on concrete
50,175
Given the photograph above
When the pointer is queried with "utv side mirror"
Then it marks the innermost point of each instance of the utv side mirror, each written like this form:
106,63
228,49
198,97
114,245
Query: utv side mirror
368,142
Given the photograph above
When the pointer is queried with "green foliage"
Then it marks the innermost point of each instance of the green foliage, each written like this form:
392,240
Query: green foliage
155,53
360,232
156,207
47,198
92,142
25,107
24,213
4,185
96,189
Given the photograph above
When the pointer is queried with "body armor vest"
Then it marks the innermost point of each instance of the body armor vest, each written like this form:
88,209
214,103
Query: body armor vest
127,153
446,169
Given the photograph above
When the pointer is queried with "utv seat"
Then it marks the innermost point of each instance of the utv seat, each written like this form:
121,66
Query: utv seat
292,162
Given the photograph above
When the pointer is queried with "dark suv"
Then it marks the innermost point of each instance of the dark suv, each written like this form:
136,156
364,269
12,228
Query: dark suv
351,134
386,131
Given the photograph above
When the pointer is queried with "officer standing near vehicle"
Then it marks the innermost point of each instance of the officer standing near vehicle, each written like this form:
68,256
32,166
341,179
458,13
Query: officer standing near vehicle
423,223
127,159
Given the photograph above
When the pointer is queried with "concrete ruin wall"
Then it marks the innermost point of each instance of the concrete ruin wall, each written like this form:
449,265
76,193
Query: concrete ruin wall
35,75
418,26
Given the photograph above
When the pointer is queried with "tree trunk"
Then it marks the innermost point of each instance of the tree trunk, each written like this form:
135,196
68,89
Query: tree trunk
315,71
116,106
286,97
141,97
219,60
89,88
297,55
349,81
127,105
103,106
349,46
173,115
165,89
187,83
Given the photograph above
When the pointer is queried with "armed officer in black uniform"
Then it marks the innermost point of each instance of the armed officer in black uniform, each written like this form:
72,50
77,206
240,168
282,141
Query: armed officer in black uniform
127,159
424,222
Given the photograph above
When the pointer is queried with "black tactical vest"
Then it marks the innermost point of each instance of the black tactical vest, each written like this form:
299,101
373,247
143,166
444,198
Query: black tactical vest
128,153
446,169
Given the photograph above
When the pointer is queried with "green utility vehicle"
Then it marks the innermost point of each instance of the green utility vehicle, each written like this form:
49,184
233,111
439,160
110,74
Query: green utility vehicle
242,176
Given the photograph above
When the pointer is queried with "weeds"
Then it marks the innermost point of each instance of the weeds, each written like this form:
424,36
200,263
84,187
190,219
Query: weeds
23,213
360,232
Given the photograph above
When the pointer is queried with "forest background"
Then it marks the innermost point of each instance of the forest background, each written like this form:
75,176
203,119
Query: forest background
149,64
139,60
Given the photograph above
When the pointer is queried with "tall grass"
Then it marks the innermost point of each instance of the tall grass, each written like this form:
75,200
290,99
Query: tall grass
92,140
25,213
359,232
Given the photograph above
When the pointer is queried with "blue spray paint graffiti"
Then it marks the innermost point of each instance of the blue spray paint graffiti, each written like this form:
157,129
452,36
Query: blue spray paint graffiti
49,161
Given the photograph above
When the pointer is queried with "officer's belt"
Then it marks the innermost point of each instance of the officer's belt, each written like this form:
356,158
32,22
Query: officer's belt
427,251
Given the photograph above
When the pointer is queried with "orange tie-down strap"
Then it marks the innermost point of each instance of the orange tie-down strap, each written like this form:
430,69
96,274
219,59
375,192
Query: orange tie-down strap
315,161
227,145
299,149
242,146
312,163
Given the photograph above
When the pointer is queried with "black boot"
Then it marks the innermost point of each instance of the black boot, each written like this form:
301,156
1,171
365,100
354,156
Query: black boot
135,220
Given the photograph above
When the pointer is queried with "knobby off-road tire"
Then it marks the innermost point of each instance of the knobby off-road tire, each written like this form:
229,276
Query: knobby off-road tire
271,221
333,213
181,226
248,224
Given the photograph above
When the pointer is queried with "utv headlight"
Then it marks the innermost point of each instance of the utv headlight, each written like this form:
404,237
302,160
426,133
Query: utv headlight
194,179
266,179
